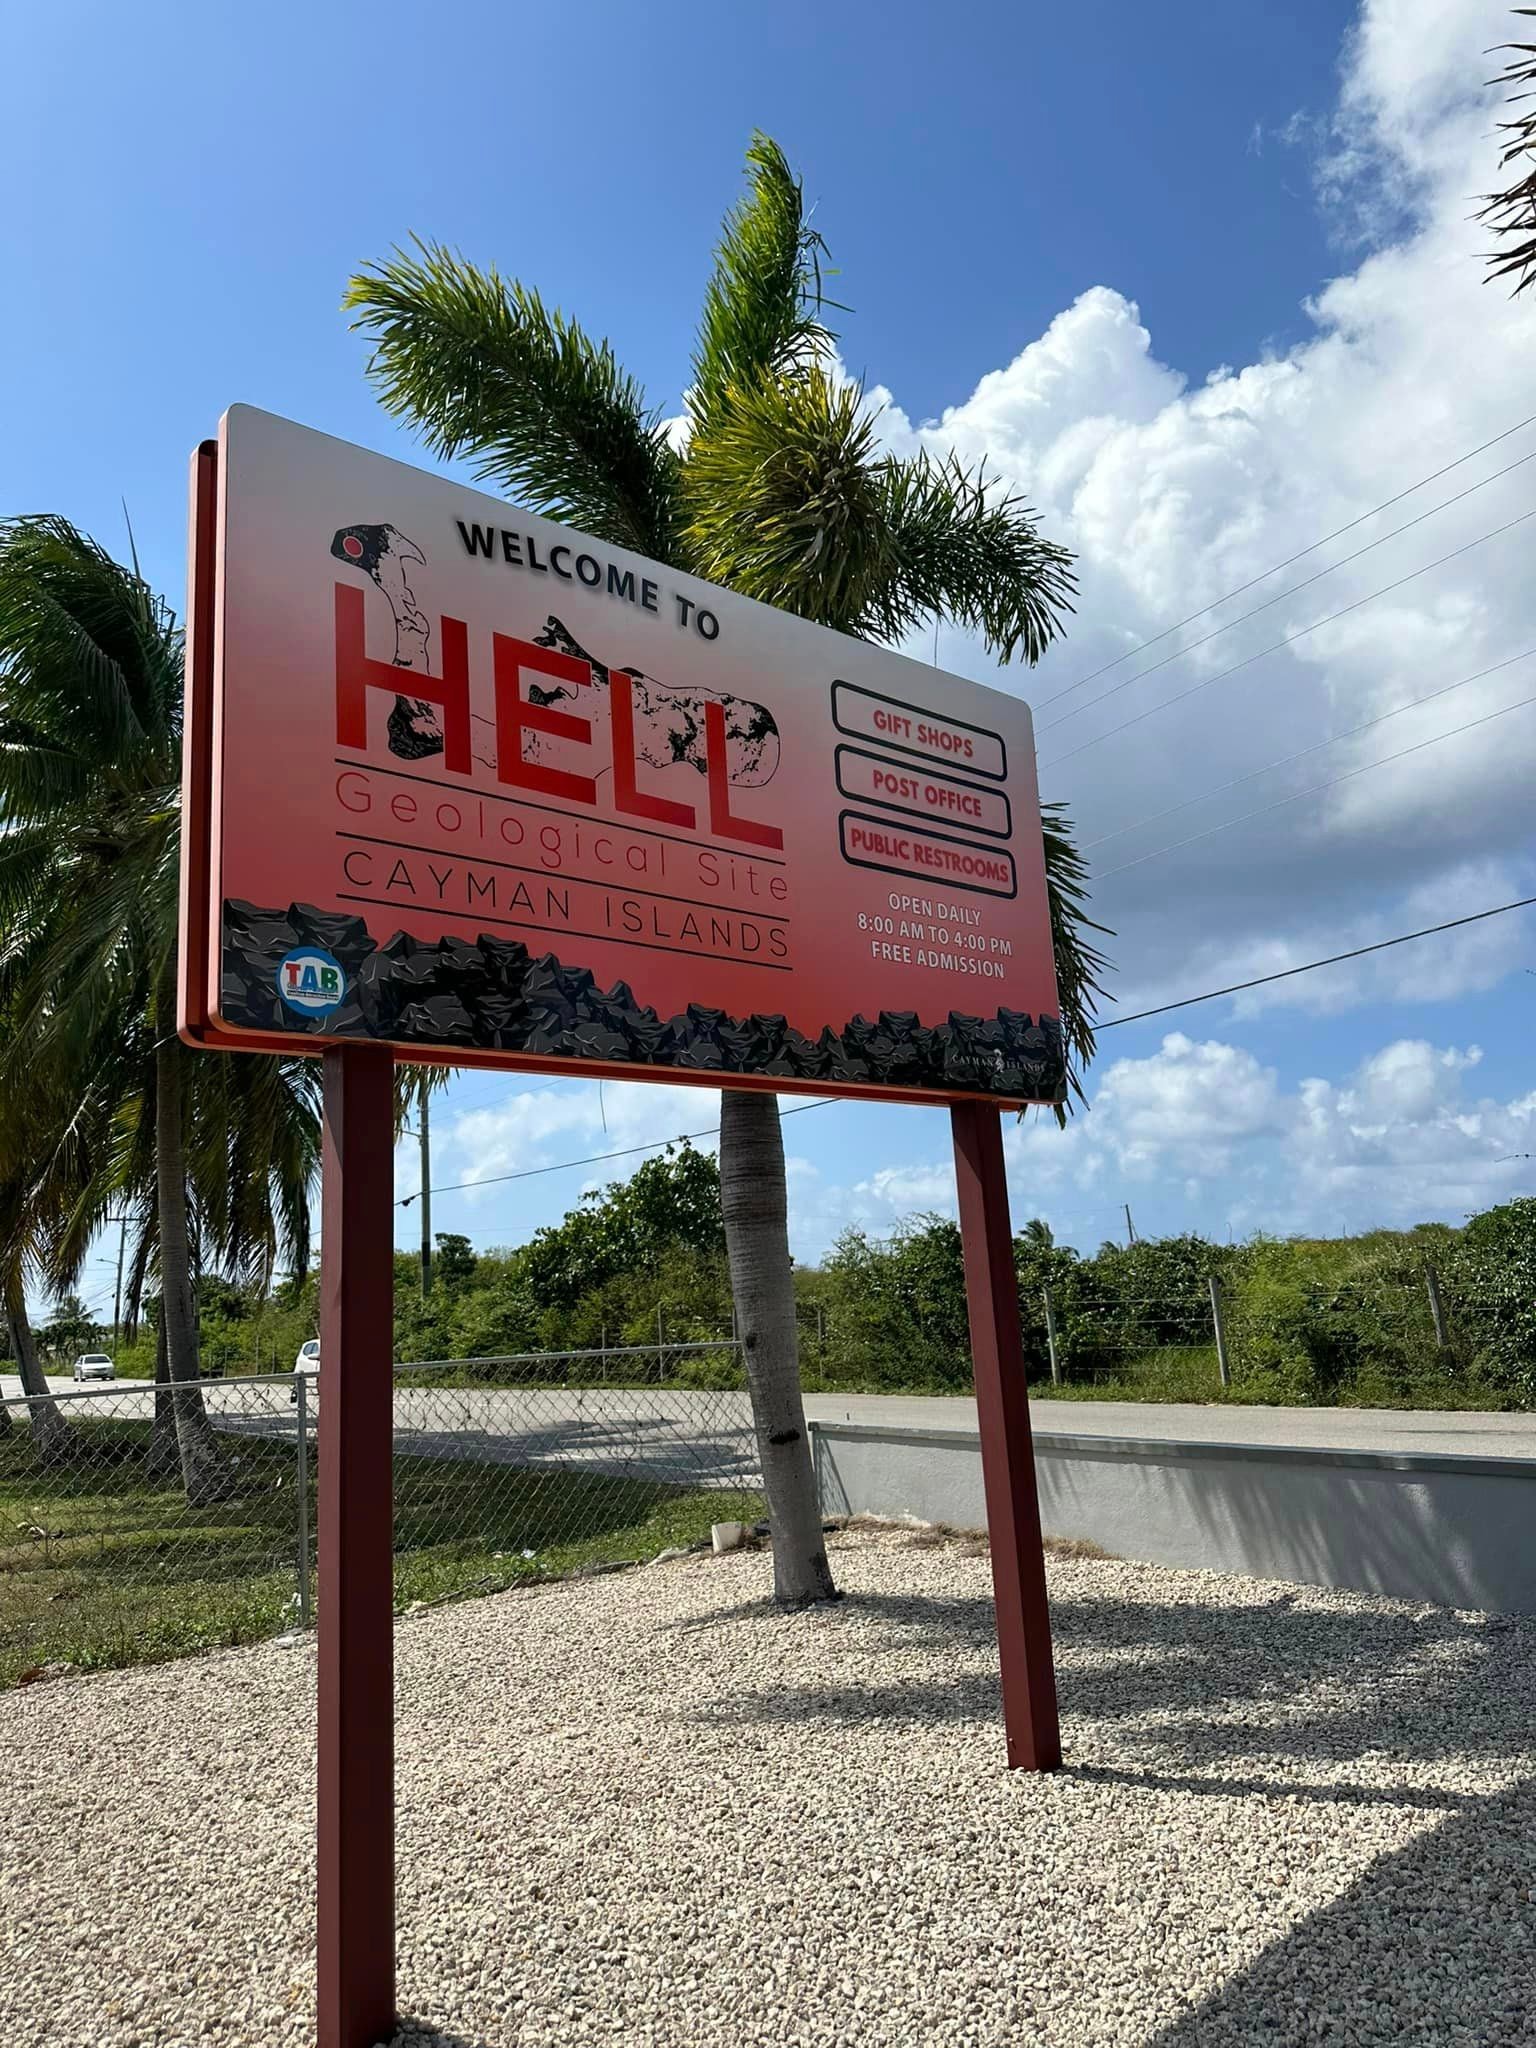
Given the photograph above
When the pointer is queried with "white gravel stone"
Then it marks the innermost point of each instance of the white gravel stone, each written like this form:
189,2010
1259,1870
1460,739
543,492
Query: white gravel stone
651,1809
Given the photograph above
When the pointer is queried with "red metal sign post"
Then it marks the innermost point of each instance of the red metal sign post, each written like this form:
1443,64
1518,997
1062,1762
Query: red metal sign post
356,1782
1007,1445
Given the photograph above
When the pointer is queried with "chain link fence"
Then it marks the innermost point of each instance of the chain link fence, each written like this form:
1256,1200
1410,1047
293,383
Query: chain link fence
509,1469
127,1534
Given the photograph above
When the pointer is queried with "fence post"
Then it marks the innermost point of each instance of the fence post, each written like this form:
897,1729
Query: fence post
1220,1329
301,1492
1437,1308
1050,1338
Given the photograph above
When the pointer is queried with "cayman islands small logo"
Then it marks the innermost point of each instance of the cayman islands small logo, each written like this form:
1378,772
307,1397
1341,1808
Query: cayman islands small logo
311,980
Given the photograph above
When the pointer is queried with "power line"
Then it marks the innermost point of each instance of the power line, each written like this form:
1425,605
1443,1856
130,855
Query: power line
1332,960
593,1159
1315,788
1290,591
1136,1017
1301,753
1337,534
484,1101
1289,639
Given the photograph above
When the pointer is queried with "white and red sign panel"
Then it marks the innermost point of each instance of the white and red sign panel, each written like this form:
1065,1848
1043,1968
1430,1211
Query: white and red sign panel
463,781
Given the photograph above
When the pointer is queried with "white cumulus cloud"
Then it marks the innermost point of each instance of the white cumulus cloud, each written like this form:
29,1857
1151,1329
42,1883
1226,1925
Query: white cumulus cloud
541,1126
1174,494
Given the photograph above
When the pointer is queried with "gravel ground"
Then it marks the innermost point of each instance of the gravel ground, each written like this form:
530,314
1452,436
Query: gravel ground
650,1809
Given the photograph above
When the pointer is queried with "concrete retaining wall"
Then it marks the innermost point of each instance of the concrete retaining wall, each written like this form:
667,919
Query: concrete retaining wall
1459,1531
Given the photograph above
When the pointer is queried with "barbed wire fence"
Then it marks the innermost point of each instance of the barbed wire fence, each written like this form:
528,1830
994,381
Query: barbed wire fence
507,1470
1411,1326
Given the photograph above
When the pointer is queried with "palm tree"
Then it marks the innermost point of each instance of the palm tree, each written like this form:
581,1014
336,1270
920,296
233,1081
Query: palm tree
774,484
90,702
252,1134
51,1434
1038,1234
37,1137
203,1156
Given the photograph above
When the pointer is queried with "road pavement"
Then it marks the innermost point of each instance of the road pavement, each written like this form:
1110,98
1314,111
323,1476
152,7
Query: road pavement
1441,1431
680,1433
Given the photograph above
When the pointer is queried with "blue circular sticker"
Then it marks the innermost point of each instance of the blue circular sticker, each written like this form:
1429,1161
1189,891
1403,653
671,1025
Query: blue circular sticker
311,980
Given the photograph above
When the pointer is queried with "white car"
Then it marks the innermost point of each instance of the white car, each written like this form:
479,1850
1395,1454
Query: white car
94,1365
308,1360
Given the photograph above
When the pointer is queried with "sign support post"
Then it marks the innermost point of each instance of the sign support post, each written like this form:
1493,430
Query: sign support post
1007,1449
356,1784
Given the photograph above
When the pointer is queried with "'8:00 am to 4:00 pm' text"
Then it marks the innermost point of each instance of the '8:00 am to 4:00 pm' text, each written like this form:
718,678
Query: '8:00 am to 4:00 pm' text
918,932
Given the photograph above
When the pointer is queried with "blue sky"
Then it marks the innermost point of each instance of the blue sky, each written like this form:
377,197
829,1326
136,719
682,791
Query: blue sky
1054,229
198,189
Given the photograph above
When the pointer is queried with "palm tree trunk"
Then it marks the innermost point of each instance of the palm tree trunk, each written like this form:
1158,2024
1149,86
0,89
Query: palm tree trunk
204,1474
50,1432
163,1453
757,1244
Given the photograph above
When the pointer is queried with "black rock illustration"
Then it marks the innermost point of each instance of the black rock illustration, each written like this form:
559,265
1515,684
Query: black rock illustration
493,993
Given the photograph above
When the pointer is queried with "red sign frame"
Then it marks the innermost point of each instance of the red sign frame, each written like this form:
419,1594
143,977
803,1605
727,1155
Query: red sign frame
927,915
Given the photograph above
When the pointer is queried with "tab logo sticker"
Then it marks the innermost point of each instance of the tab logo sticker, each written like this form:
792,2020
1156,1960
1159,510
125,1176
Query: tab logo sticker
311,980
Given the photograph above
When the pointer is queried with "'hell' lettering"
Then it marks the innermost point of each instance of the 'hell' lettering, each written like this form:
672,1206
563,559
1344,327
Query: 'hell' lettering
517,715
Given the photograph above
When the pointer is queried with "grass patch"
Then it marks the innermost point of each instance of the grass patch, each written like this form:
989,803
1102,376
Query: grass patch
1183,1372
101,1566
1189,1372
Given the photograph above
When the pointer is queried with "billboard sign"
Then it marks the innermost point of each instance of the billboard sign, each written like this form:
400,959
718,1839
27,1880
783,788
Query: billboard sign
466,782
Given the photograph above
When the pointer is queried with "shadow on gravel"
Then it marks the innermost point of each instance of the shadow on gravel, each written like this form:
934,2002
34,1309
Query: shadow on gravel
1413,1686
937,1619
1337,1792
1273,1700
415,2033
1433,1944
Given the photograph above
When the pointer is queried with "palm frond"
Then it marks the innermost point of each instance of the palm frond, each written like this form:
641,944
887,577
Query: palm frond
955,547
86,647
253,1159
783,491
484,369
413,1086
1080,965
762,306
783,498
90,709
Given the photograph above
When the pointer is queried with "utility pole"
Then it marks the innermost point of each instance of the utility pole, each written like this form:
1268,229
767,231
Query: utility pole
1130,1228
117,1298
424,1133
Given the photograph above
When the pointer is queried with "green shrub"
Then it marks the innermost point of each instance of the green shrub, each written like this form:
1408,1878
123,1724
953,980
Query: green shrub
1493,1293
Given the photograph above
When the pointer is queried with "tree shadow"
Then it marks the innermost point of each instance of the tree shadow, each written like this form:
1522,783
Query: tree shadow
1273,1698
1335,1792
1271,1679
933,1618
1431,1944
413,2032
